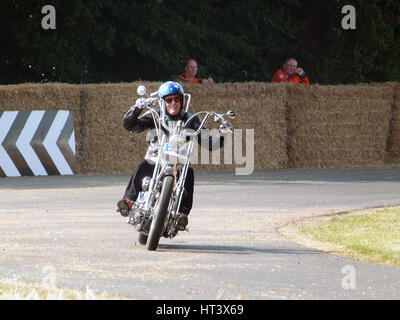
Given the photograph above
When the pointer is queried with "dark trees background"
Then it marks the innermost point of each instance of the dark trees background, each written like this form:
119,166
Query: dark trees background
232,40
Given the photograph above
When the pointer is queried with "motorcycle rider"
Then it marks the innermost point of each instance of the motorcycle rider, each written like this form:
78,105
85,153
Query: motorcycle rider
173,95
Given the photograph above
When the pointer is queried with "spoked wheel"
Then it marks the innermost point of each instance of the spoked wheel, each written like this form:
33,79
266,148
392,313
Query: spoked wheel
160,214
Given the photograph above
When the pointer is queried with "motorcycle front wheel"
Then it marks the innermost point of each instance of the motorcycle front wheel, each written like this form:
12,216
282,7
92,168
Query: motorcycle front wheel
160,214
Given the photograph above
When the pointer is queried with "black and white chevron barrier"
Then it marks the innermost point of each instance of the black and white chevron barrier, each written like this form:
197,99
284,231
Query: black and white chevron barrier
36,143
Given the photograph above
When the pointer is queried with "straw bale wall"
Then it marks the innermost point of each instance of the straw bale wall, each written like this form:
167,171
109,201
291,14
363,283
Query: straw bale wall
394,137
259,107
338,126
106,146
295,126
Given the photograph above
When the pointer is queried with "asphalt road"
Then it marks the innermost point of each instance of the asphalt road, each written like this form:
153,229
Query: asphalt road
63,229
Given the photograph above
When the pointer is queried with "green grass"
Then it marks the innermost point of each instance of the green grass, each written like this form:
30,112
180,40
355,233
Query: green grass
17,290
373,235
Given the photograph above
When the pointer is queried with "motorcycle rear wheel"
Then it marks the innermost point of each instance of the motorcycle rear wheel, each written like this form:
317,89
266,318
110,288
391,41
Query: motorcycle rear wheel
160,214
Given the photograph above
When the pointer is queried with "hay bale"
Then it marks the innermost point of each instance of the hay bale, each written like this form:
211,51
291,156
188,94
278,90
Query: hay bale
109,148
394,136
338,126
258,106
107,103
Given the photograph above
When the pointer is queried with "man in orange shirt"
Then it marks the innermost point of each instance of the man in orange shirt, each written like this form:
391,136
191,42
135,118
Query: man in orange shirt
190,74
290,73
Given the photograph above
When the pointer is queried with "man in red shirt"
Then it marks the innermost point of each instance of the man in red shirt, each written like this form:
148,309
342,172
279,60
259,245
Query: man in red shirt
290,73
190,74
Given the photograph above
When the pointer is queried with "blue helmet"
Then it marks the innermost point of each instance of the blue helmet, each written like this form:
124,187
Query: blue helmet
170,87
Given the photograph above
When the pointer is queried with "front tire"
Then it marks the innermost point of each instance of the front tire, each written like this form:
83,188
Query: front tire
160,214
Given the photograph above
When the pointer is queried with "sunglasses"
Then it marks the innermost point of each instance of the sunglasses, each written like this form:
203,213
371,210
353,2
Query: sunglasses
169,100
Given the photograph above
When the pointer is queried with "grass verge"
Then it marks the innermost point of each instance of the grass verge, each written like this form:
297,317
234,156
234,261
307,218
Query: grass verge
369,235
17,290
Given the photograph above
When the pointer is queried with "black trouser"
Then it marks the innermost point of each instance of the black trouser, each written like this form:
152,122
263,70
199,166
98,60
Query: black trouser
145,169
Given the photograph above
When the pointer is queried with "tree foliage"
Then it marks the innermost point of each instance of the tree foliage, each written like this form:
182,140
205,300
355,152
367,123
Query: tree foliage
232,40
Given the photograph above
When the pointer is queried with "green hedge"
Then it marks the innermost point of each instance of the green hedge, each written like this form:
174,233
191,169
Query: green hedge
233,40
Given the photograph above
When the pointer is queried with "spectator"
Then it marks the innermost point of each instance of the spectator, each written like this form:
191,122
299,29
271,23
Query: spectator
291,73
190,74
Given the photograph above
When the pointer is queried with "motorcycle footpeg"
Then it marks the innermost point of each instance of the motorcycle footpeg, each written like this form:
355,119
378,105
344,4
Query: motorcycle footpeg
130,219
181,228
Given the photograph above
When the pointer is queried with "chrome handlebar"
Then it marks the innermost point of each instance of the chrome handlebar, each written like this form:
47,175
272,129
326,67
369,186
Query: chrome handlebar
147,103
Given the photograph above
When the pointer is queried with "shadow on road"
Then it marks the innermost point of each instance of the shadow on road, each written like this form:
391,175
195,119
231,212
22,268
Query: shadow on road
222,249
210,178
303,176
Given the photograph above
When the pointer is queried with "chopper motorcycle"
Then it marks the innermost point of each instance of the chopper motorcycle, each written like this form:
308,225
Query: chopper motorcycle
154,213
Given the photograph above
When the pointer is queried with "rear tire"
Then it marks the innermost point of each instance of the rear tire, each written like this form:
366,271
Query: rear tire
160,214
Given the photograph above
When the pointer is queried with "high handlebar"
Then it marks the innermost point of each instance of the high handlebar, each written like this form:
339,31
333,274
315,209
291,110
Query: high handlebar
153,97
153,94
225,126
142,103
